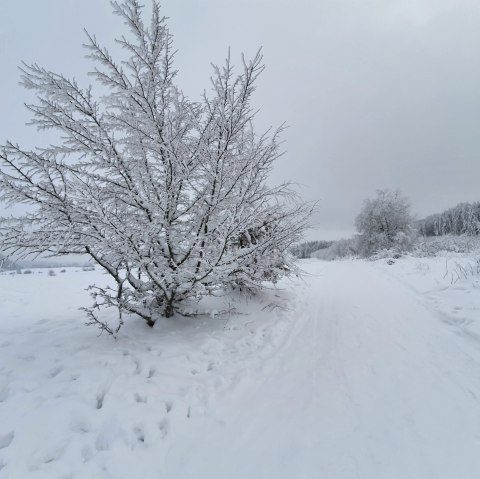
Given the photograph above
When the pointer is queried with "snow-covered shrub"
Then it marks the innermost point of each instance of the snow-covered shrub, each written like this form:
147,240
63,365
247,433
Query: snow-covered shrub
342,248
385,223
167,195
435,245
308,248
404,241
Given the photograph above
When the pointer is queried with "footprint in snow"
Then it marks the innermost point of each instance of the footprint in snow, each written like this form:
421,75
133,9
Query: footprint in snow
138,366
6,439
27,357
100,399
139,433
55,453
80,426
86,453
139,398
168,406
163,425
55,372
109,433
81,348
3,394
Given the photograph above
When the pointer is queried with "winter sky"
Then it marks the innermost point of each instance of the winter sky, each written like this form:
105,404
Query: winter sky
377,93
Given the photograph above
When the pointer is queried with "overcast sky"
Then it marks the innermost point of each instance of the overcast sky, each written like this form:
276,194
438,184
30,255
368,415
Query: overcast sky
377,93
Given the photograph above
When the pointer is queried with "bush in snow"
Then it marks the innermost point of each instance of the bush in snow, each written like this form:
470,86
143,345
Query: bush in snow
385,223
342,248
306,249
433,246
167,195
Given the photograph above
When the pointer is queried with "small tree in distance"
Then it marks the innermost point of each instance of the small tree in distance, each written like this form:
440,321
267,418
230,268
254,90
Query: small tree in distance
385,222
167,195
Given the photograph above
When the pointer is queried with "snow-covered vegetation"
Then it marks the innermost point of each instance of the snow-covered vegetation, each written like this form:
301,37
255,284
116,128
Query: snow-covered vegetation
259,356
167,195
338,375
306,249
463,219
386,228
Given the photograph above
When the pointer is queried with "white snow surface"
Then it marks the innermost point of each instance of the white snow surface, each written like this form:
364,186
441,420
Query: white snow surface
361,370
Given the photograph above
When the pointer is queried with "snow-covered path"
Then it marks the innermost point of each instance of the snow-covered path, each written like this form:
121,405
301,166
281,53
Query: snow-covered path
361,378
370,384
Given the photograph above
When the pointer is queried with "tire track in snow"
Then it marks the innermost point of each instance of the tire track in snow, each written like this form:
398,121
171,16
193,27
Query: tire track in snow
361,388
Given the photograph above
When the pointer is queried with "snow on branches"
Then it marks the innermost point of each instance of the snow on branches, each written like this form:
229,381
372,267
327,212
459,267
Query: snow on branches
169,196
385,222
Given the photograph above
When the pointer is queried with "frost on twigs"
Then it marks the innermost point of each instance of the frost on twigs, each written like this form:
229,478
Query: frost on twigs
167,195
385,223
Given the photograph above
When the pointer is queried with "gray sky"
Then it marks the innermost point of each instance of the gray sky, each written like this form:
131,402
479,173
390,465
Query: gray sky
376,93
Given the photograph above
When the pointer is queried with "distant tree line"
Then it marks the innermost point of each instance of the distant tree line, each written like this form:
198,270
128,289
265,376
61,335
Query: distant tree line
385,224
306,249
461,219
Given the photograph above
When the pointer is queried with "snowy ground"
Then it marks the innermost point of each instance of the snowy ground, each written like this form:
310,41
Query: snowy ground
448,284
372,372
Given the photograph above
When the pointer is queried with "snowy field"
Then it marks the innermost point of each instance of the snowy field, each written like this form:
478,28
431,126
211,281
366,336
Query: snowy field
362,370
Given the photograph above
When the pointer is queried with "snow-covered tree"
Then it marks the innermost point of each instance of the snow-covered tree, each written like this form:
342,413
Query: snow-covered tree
461,219
384,222
168,195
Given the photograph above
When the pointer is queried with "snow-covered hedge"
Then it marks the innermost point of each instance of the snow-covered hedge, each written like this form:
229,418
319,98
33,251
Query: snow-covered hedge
433,246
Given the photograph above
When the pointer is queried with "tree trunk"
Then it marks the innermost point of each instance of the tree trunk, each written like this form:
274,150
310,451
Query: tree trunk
168,310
